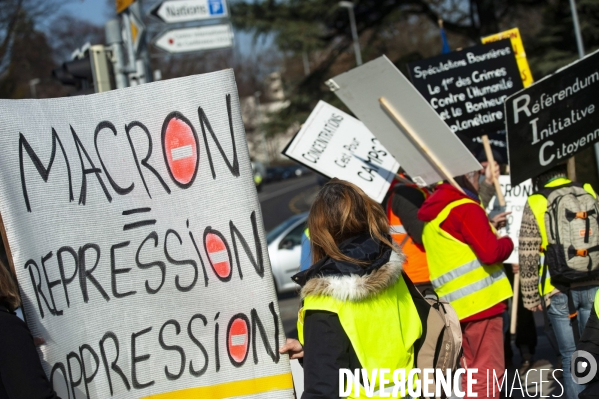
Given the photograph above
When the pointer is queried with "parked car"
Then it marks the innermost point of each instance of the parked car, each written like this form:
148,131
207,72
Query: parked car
274,174
285,249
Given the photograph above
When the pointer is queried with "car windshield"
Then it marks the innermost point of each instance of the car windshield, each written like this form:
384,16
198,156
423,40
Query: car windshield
277,231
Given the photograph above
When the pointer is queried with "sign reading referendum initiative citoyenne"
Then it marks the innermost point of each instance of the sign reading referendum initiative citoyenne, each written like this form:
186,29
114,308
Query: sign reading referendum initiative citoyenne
553,119
467,88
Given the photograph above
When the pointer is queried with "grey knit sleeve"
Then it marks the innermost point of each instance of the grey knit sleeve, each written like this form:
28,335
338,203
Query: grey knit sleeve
486,192
529,243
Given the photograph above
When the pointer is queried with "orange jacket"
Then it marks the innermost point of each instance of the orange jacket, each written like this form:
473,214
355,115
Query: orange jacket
415,265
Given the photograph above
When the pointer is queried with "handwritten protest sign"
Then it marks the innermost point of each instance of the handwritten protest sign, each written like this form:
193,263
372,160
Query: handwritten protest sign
338,145
467,88
553,119
515,200
361,90
137,241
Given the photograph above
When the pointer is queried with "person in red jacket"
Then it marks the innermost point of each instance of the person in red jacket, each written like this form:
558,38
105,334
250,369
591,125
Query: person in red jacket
469,224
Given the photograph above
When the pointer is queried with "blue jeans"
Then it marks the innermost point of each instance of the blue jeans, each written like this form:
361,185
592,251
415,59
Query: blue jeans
558,314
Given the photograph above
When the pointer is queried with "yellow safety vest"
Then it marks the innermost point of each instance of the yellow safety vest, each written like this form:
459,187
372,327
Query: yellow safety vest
456,273
382,329
596,305
538,205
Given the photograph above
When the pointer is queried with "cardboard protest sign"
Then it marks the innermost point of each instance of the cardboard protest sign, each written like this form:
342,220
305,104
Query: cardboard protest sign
362,87
467,88
137,241
336,144
518,47
553,119
515,200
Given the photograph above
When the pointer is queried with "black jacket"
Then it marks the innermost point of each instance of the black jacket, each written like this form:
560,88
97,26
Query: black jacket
327,347
405,203
21,373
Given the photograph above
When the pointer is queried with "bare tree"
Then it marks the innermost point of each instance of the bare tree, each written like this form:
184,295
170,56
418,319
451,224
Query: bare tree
16,12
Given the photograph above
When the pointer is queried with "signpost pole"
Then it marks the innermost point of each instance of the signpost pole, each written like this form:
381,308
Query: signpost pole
491,160
406,128
580,46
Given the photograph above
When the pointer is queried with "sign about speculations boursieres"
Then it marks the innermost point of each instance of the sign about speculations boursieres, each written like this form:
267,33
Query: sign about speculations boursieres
553,119
336,144
467,88
137,239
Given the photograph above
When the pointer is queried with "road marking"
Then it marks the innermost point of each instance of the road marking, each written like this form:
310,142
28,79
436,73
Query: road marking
285,190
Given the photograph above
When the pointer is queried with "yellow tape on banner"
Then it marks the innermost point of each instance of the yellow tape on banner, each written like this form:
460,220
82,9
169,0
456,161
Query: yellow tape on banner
516,39
231,389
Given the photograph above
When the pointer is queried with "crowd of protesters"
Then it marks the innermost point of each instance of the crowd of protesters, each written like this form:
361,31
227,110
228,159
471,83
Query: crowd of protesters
449,245
358,309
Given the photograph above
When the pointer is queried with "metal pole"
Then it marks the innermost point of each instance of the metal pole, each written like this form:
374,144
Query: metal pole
142,55
32,84
579,43
114,39
306,63
580,46
257,95
354,33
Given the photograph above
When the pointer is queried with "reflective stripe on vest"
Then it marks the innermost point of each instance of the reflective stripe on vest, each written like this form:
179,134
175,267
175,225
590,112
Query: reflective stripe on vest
456,273
390,316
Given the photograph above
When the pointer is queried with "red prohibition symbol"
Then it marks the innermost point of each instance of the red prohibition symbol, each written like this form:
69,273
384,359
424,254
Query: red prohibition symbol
180,147
238,339
219,254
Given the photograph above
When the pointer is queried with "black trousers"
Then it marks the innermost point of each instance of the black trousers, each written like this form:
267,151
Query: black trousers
526,330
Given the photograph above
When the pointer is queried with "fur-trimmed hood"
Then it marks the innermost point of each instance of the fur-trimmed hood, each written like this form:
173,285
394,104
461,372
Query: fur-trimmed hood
350,282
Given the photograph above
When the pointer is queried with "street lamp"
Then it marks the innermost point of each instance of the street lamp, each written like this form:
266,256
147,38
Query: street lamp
354,32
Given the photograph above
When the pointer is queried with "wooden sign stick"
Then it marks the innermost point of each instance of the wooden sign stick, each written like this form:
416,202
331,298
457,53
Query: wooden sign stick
491,160
416,139
514,318
571,169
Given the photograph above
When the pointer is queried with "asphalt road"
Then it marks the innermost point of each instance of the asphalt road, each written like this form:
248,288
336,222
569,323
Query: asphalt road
282,200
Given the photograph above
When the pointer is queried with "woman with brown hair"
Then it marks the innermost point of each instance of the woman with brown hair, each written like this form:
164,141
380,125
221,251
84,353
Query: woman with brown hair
357,311
21,373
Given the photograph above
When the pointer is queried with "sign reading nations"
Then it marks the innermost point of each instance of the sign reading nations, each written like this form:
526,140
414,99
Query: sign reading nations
137,241
467,88
553,119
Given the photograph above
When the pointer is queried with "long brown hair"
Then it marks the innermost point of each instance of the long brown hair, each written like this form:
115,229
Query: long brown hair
342,210
9,294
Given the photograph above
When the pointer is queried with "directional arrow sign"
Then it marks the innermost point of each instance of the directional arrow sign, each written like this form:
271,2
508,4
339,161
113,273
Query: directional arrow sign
173,11
195,39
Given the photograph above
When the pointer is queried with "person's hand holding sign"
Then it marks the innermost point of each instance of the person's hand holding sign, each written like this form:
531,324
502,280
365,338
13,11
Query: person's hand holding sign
491,171
293,348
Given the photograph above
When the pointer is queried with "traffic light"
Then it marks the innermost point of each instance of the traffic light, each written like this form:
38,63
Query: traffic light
89,74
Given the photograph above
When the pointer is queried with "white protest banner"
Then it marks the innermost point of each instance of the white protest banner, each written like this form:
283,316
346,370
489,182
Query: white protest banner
137,240
362,88
515,200
336,144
